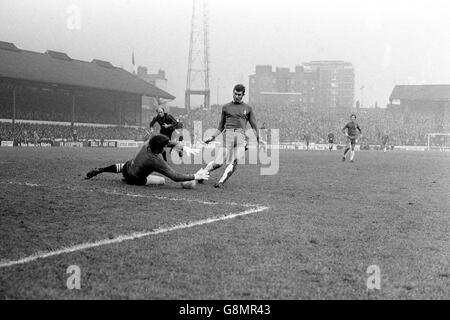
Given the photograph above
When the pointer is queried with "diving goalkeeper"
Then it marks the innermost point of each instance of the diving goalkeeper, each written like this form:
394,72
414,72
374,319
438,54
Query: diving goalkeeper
137,171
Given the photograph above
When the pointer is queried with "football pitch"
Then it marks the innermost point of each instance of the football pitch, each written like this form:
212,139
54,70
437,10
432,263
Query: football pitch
310,232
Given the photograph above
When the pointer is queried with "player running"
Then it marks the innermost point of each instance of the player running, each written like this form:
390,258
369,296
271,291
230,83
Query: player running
330,140
233,122
138,170
350,132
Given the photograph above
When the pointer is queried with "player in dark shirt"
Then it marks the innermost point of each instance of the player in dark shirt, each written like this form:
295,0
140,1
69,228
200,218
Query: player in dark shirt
168,124
330,140
137,171
350,131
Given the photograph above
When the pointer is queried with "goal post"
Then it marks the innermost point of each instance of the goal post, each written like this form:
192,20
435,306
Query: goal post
438,141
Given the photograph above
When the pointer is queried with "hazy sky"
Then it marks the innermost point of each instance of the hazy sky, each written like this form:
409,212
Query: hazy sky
388,41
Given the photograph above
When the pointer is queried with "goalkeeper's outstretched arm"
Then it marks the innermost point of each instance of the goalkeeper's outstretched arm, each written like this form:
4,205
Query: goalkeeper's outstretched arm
167,171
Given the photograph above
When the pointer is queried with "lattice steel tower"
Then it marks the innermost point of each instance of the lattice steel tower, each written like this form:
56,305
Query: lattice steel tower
198,64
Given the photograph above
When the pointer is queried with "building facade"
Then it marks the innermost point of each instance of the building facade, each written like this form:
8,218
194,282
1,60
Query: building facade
158,79
312,85
149,105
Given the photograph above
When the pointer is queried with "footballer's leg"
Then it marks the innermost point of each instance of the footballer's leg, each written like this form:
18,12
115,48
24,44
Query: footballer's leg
347,148
115,168
216,163
230,168
227,153
235,154
211,166
352,152
164,153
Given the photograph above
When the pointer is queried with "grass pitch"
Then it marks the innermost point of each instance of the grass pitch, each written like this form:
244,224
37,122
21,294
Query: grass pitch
326,223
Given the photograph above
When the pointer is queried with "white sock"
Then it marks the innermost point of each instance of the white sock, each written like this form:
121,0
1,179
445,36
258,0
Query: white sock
352,154
210,166
228,172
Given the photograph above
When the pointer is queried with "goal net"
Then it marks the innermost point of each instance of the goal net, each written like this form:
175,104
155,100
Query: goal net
438,141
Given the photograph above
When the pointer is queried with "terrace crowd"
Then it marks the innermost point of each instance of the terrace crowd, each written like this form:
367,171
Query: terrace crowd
35,132
293,125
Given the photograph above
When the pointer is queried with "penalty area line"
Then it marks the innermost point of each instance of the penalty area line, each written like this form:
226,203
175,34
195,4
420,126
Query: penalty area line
132,236
128,194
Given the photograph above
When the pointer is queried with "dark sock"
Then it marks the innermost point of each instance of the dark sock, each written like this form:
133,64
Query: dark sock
346,150
111,168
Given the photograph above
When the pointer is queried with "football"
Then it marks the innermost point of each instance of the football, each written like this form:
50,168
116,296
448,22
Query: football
189,184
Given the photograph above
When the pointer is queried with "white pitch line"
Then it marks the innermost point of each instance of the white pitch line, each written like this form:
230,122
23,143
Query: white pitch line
254,208
133,236
134,195
177,199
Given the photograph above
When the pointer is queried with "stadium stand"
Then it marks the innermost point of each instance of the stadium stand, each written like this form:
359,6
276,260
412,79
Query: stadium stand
46,96
410,129
36,132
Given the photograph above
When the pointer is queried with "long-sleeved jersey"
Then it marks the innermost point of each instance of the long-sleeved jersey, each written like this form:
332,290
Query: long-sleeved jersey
145,162
166,119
